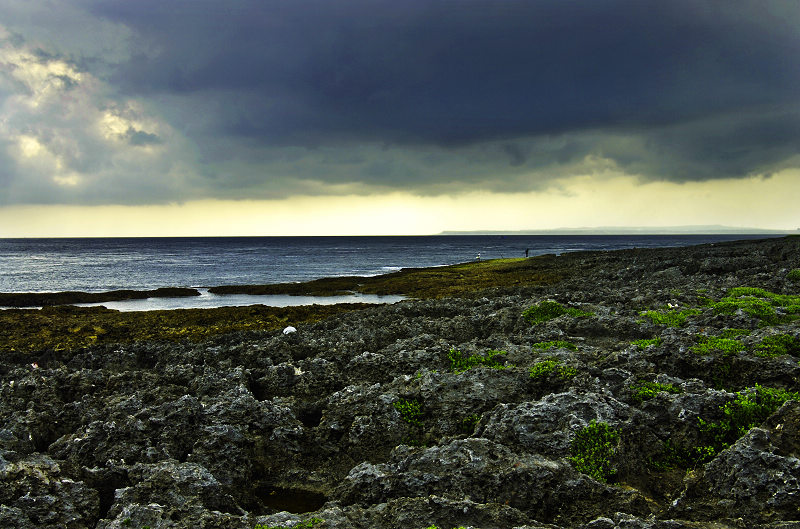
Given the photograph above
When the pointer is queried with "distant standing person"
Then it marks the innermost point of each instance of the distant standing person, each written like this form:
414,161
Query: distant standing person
526,251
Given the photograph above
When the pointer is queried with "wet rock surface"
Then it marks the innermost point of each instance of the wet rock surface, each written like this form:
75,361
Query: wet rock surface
688,415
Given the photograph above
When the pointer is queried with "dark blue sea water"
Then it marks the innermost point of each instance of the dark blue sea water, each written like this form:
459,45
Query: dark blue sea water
48,265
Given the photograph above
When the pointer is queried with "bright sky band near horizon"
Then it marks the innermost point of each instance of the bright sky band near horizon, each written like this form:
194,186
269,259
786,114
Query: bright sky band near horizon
370,117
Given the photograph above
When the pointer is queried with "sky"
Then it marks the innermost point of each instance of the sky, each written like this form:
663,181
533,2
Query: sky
361,117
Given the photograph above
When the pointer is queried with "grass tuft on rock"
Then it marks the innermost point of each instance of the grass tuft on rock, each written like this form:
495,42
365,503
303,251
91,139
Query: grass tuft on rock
734,333
549,309
768,307
554,367
460,362
778,345
647,342
593,450
467,424
410,411
671,318
749,409
714,344
643,391
556,344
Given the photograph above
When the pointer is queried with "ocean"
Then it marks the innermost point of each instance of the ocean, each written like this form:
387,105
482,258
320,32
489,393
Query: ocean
102,264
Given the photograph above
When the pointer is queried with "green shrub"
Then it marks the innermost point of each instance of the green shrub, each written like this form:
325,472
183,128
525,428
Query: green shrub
757,308
758,303
548,310
750,408
560,344
410,411
712,344
672,456
459,362
671,317
593,450
647,342
777,345
643,391
794,275
552,366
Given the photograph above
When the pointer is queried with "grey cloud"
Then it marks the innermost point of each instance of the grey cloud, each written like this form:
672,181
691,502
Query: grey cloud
452,74
268,98
516,155
140,138
60,140
735,145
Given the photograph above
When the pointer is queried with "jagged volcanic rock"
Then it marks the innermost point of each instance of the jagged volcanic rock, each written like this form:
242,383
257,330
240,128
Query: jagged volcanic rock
362,420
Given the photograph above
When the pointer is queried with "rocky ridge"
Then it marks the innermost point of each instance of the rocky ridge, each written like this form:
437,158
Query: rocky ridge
467,411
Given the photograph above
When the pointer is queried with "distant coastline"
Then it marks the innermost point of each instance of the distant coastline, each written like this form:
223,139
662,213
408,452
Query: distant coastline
634,230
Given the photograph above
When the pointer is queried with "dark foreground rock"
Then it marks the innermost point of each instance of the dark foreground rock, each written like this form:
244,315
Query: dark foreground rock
588,411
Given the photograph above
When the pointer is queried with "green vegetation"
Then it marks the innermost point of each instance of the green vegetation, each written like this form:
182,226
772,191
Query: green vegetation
721,374
459,362
468,423
778,345
549,309
760,304
794,275
593,450
672,317
713,344
306,524
552,366
672,457
734,333
437,527
750,408
66,328
437,282
558,344
647,342
669,458
725,347
410,411
643,391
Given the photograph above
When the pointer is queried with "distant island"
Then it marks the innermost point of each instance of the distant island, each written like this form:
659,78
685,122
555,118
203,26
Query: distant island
632,230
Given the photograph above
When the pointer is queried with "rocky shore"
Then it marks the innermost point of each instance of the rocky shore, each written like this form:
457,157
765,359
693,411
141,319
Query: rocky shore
654,389
48,299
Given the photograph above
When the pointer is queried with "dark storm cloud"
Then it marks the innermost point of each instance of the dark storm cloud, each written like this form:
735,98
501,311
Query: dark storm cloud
457,73
264,98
